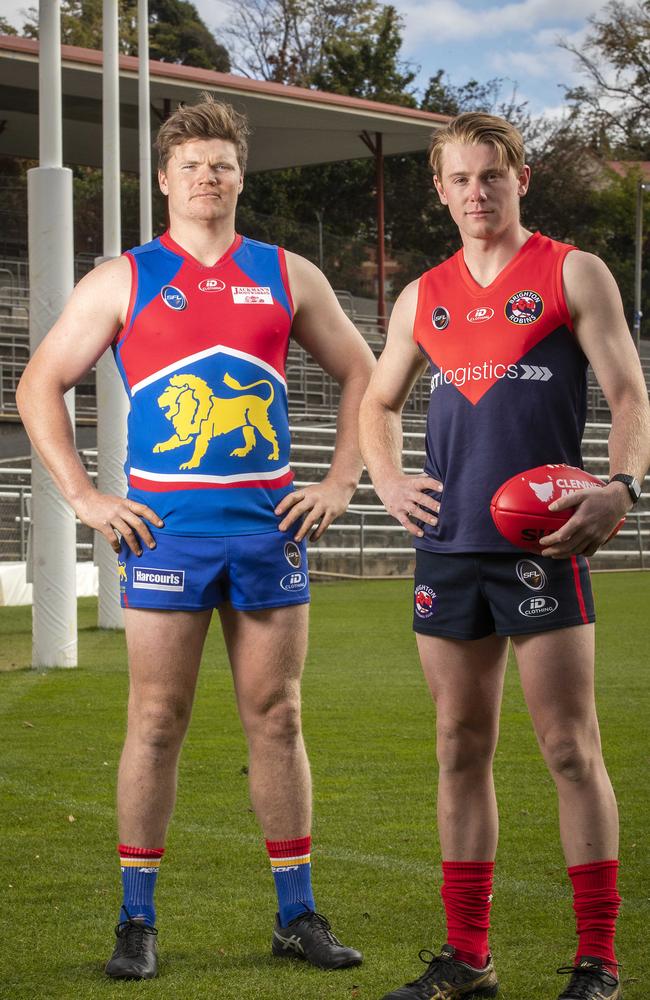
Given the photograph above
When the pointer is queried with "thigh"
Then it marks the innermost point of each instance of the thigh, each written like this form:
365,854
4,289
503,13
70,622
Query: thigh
448,599
465,678
532,594
164,650
267,651
557,677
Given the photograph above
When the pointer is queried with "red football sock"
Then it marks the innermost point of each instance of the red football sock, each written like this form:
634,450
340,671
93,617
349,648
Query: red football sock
467,895
596,903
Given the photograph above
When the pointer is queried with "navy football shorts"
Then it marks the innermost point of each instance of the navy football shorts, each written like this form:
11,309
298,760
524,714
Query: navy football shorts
197,572
470,596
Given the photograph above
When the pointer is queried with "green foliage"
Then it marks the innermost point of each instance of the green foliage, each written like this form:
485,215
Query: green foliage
369,726
176,31
6,28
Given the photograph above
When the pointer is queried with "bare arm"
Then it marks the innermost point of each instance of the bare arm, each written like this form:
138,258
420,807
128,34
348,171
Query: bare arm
381,421
94,313
326,333
595,305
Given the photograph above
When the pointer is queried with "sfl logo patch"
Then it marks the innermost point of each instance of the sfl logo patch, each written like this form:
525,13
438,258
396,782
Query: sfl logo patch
425,601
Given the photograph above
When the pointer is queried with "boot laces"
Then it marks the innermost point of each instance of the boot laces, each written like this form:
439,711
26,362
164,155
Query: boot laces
582,975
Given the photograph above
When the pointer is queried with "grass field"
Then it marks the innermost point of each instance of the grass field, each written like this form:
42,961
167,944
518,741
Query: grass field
369,729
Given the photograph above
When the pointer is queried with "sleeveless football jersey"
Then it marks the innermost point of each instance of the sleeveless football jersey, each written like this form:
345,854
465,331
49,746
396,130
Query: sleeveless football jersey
508,385
202,356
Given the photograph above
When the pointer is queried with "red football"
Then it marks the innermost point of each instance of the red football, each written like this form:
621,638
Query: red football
519,508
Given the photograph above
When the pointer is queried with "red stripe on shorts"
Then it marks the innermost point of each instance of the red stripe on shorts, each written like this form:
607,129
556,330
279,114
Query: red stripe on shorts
581,600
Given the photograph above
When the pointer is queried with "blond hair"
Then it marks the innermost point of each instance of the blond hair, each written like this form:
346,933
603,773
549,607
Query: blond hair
473,128
209,119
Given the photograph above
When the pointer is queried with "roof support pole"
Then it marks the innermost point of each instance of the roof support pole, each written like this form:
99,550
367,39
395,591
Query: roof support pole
111,399
51,278
144,125
376,147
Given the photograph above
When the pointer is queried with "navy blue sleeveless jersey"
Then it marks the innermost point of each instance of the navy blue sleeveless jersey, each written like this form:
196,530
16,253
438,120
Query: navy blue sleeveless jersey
508,385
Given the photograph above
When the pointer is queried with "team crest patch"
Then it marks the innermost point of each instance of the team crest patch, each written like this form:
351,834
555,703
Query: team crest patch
173,297
531,575
440,318
292,554
425,601
524,308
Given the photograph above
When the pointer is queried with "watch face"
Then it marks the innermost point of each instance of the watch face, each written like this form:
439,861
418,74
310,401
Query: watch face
632,485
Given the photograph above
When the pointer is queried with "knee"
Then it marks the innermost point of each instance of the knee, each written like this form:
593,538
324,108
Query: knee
159,727
462,748
570,757
275,719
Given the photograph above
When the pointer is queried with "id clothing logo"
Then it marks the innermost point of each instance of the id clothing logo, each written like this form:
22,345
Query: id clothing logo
480,315
173,297
538,607
212,285
147,578
293,581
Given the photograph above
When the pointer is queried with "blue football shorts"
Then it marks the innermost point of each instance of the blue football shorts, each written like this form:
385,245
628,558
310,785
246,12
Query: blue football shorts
198,572
470,596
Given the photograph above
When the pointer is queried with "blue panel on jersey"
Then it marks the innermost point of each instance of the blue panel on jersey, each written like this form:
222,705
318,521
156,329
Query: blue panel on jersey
154,271
261,264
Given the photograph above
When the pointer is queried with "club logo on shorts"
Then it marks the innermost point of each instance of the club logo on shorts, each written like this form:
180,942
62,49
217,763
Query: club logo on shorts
531,575
173,297
145,578
425,601
212,285
480,315
293,581
292,554
524,308
538,607
121,571
440,318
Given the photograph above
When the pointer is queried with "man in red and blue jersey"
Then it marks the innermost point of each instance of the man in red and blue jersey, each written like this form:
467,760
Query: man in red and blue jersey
199,321
507,327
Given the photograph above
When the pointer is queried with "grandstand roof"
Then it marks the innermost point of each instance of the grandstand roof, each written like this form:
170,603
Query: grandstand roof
292,126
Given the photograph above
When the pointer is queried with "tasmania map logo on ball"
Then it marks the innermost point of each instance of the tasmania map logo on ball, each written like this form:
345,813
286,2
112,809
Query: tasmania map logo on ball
519,508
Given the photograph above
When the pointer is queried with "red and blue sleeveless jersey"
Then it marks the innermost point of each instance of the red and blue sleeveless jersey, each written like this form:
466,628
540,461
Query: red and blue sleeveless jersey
202,355
508,385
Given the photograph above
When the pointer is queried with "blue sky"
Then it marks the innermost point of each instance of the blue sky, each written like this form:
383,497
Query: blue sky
472,39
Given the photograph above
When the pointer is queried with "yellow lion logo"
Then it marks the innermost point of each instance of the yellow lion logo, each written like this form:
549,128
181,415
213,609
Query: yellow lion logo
121,570
197,415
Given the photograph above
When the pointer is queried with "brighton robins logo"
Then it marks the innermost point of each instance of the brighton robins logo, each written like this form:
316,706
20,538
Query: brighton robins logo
425,601
198,415
524,308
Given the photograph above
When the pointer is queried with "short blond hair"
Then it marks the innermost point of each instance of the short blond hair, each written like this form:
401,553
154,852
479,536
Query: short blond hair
209,119
473,128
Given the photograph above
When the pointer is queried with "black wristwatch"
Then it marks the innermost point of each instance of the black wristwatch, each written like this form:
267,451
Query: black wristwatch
632,484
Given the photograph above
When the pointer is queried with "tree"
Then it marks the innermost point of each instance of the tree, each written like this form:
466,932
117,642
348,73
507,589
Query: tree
615,60
286,40
176,32
6,28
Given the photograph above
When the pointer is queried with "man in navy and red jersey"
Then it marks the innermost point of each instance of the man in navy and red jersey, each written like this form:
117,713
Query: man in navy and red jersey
507,327
199,321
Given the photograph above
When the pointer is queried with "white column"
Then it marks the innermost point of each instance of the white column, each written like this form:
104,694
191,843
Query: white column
144,126
111,398
51,278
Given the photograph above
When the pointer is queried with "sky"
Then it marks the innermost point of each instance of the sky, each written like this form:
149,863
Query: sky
471,39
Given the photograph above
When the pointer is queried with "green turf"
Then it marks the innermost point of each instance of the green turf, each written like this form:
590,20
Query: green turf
369,729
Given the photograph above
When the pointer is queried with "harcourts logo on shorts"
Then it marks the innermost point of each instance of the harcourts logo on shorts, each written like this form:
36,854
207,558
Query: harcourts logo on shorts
293,581
158,579
537,607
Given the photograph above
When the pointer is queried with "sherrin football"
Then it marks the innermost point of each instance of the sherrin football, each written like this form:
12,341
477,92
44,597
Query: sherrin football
519,508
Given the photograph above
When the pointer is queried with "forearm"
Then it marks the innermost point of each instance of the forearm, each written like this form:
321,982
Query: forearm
347,464
47,422
381,442
629,439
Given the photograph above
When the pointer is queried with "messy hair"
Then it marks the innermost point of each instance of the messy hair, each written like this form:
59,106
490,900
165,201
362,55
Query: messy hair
473,128
209,119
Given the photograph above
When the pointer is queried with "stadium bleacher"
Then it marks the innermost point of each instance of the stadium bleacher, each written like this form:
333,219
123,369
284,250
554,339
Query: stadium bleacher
366,541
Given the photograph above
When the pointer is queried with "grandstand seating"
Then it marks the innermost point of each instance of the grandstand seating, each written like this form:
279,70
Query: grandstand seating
366,540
